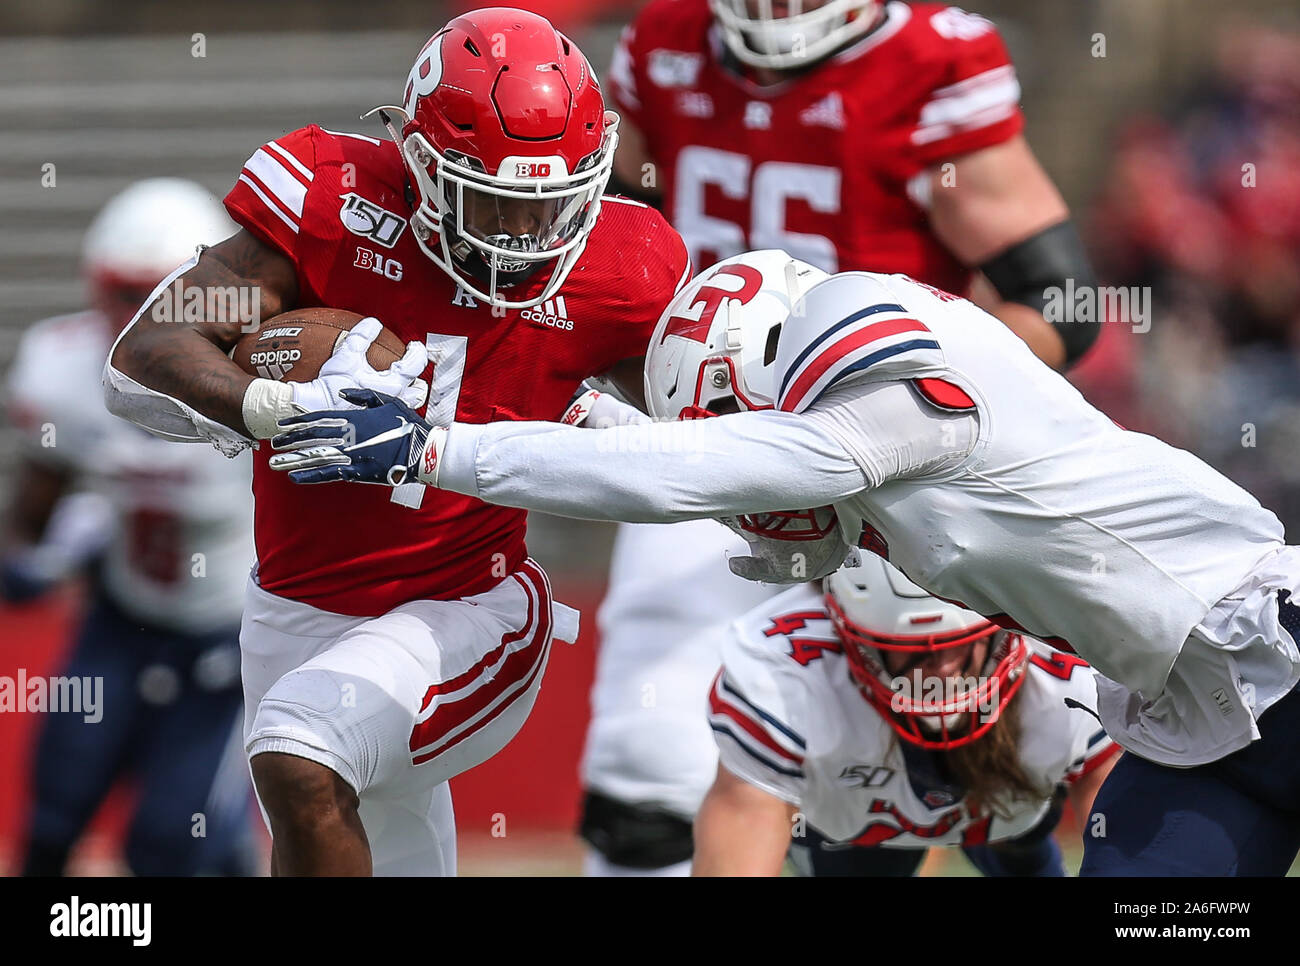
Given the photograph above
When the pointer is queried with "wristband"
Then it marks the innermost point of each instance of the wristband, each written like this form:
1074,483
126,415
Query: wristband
266,402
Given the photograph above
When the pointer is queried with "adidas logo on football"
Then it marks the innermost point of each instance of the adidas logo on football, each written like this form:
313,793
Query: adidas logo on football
552,312
828,112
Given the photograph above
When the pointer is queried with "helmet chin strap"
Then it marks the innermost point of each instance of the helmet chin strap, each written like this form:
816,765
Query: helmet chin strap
407,191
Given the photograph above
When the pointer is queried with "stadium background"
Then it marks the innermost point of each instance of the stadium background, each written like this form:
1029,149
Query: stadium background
1147,142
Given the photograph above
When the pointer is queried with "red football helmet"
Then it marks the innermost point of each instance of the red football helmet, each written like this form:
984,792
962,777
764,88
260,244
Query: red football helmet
509,147
878,611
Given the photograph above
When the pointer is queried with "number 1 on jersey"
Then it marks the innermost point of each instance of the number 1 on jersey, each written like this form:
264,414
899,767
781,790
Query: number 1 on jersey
447,353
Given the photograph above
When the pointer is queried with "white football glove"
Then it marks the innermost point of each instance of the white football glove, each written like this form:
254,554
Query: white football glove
774,561
267,401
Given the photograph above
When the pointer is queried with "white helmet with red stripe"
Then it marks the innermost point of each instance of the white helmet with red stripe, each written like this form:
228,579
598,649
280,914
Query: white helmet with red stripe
714,349
879,612
714,352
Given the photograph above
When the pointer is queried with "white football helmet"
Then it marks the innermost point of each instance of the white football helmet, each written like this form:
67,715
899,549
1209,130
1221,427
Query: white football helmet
802,34
714,349
876,609
714,352
143,233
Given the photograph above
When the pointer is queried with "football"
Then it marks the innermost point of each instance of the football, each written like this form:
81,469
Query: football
292,346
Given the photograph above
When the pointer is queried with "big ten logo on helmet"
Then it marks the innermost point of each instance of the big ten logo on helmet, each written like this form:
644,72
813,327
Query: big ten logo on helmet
369,220
553,313
389,268
532,169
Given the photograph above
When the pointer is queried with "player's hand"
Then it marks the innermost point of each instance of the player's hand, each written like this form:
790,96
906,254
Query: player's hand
383,441
349,368
777,561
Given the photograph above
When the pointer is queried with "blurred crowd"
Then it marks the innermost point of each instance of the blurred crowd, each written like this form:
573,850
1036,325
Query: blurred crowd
1202,206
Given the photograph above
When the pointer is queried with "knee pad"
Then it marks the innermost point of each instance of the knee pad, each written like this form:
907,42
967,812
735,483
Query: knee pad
636,836
308,713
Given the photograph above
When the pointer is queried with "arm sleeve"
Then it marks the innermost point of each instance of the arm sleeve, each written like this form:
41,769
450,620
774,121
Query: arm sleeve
157,413
266,200
652,473
893,432
1090,746
34,401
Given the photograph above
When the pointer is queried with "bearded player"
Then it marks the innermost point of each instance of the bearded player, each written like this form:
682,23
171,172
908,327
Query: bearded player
389,644
918,427
854,135
864,722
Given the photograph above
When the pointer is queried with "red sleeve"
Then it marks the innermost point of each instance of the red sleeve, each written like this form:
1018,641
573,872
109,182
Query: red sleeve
269,196
624,82
976,100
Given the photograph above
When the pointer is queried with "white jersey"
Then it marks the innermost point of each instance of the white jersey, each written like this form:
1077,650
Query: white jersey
669,594
789,719
1043,515
182,541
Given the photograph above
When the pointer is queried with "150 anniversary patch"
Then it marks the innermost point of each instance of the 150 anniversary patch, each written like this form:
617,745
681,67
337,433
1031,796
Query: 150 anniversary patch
365,218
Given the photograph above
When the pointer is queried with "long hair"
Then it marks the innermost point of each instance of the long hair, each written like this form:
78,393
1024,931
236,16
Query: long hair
989,768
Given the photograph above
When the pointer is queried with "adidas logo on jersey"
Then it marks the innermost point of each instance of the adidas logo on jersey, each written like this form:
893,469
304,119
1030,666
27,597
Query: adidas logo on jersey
552,312
828,112
694,104
671,68
758,115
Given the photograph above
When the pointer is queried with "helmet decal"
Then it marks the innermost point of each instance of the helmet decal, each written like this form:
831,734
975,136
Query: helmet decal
425,75
712,297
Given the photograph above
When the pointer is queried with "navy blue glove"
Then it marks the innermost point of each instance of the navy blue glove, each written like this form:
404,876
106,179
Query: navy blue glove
383,442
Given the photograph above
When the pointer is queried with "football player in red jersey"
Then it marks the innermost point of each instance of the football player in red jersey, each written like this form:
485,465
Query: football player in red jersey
854,135
391,641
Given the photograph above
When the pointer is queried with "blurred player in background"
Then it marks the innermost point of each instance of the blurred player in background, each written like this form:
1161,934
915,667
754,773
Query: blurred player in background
392,642
881,717
167,534
854,135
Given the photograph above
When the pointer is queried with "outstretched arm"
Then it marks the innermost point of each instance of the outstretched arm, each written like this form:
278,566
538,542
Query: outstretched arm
652,473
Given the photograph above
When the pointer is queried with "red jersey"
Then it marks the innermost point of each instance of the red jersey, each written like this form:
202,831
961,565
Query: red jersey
336,205
829,165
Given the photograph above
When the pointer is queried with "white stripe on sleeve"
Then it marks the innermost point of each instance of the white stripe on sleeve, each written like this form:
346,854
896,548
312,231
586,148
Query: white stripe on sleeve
288,190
